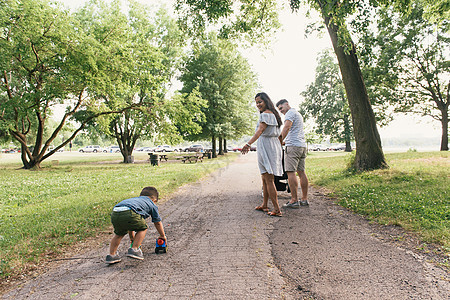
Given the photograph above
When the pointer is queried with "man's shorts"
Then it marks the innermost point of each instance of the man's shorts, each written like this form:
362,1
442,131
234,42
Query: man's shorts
294,158
127,220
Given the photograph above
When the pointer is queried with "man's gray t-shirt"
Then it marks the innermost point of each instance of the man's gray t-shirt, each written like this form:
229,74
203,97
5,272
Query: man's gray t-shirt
296,135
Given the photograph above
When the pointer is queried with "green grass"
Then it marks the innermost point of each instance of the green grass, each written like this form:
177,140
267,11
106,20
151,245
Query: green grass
43,211
413,193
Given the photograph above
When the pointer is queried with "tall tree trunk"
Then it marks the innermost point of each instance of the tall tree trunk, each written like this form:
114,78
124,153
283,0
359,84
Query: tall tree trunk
347,133
444,139
225,146
220,146
213,147
369,154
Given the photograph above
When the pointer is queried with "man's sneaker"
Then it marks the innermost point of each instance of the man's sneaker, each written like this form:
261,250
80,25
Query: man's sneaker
112,259
135,253
291,205
304,203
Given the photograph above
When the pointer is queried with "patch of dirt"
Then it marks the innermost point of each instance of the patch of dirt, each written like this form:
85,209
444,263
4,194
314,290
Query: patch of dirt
329,252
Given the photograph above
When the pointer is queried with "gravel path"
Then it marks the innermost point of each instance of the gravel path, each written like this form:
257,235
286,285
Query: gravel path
220,248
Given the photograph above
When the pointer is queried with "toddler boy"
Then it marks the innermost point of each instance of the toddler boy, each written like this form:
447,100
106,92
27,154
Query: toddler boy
128,216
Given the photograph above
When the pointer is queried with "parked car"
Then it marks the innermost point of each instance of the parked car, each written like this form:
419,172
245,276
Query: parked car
145,149
9,150
340,147
194,148
164,148
317,147
50,148
91,149
112,149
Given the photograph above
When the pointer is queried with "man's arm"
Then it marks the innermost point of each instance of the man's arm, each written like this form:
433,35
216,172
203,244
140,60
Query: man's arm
287,126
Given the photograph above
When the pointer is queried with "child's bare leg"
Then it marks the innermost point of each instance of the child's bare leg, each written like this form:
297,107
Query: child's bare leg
115,242
131,235
138,238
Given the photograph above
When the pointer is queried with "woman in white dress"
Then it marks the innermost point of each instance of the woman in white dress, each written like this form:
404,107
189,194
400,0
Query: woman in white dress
269,151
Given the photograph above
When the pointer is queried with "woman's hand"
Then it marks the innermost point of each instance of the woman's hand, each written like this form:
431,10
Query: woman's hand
245,149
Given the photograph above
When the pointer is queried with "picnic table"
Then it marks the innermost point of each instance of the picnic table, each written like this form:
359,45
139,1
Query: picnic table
192,157
160,157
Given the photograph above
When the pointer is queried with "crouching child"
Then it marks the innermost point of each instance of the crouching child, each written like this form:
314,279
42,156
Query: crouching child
128,216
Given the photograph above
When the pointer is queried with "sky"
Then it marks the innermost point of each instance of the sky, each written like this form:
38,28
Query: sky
288,67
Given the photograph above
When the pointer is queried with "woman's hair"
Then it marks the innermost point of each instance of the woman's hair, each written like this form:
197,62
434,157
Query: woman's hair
149,191
269,105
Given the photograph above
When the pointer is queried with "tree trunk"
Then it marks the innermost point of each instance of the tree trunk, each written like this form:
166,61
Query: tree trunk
213,147
369,154
444,139
220,146
347,133
225,146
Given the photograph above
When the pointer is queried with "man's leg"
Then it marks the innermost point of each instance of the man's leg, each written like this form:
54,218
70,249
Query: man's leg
303,184
293,186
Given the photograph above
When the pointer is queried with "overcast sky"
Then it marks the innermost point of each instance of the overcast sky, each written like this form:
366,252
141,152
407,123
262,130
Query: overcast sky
286,70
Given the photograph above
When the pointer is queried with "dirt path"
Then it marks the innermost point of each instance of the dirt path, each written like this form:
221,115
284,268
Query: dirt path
220,248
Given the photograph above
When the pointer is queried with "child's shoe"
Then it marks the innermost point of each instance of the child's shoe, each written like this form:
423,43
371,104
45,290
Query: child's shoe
112,259
135,253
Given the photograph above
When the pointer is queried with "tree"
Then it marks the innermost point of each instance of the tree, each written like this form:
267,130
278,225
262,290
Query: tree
224,80
369,154
155,45
326,103
46,59
409,62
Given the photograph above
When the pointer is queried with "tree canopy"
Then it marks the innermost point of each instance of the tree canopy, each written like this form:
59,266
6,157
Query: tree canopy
407,64
225,80
325,102
48,58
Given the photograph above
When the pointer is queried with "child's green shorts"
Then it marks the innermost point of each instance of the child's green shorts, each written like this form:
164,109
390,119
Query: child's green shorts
128,220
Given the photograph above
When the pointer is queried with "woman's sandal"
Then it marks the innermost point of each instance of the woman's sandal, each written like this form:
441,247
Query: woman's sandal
275,214
262,208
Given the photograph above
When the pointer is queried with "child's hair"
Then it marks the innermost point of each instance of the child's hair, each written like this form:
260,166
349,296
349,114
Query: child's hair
150,191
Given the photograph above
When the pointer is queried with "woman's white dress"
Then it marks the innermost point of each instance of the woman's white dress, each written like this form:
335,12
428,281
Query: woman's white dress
268,146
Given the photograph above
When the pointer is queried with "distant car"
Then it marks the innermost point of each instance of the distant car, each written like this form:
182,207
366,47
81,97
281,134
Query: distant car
91,149
317,147
9,150
145,149
340,147
112,149
164,148
51,148
194,148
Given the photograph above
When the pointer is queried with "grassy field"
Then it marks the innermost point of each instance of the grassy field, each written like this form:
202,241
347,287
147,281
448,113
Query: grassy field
70,199
413,193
